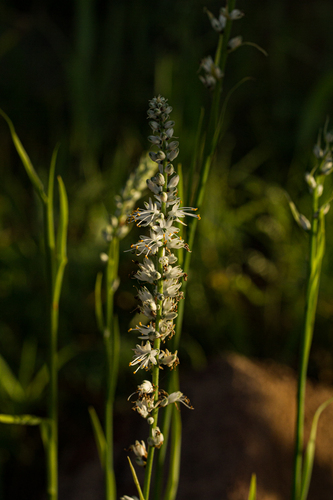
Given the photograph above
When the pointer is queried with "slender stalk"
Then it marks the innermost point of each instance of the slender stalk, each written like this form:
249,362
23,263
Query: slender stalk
52,444
111,370
315,259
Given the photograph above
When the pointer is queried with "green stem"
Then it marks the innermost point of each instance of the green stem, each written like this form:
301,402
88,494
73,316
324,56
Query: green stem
315,259
111,367
52,444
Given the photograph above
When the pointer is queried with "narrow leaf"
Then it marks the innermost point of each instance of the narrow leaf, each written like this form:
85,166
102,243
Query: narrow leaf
99,435
9,382
253,488
36,182
310,450
20,419
63,221
50,189
135,479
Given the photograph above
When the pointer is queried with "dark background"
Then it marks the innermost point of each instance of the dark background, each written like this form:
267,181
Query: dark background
81,73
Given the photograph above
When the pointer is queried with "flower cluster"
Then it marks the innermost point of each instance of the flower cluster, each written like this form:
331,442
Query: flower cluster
159,275
211,72
127,199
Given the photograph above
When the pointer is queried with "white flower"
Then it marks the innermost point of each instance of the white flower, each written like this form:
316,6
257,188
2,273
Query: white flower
147,245
176,242
166,229
156,439
145,217
147,272
217,24
145,296
171,287
175,212
144,355
176,397
139,449
173,272
147,332
126,497
235,42
145,388
144,406
167,358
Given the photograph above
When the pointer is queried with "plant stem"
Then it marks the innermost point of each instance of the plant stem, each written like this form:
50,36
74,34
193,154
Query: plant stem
111,367
315,259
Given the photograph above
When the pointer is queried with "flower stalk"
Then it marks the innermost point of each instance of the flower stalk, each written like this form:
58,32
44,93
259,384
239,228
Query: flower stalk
159,302
316,227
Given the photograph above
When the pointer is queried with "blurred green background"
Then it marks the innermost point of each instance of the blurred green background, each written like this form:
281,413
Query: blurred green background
81,73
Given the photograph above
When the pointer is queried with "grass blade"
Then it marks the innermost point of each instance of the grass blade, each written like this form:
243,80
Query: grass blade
253,488
135,479
9,382
36,182
310,450
63,222
99,435
21,419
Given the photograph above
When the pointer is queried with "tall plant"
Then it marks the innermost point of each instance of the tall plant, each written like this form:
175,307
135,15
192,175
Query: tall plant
55,262
159,300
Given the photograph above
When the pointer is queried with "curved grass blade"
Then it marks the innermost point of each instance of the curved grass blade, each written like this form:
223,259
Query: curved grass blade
99,435
36,182
9,383
310,451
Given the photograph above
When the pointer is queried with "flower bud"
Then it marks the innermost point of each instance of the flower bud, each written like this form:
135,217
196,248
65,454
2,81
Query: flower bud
164,197
169,170
160,155
174,181
173,145
169,124
169,133
173,154
155,139
159,179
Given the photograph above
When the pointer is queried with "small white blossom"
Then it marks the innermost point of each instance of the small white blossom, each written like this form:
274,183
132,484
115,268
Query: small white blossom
147,272
144,355
145,217
147,332
139,449
156,439
148,245
176,397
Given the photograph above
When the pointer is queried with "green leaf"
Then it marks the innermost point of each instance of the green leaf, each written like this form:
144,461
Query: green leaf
310,451
9,382
253,488
135,479
20,419
63,222
99,435
36,182
98,302
50,189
